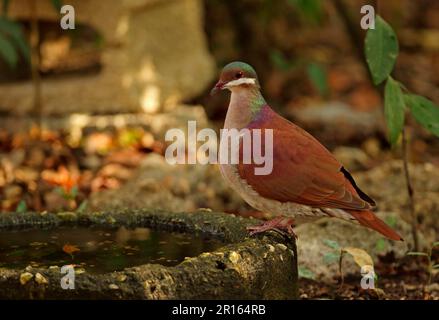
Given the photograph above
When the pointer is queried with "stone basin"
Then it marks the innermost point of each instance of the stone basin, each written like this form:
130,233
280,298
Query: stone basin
200,255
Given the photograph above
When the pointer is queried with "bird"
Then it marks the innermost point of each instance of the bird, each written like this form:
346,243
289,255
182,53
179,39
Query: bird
306,180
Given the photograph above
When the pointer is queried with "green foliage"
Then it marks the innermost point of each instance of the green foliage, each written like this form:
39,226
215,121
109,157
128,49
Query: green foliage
429,255
331,257
279,61
306,273
5,6
74,192
7,51
68,194
381,48
317,75
22,207
381,245
57,4
391,221
82,207
394,107
12,42
331,244
417,254
425,112
316,72
334,255
310,9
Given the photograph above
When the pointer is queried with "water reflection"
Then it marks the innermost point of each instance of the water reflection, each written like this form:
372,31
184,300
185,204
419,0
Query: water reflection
99,250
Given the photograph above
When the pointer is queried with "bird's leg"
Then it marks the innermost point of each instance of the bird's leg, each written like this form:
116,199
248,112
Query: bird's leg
278,223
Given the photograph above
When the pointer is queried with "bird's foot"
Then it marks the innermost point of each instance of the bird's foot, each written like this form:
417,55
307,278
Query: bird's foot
278,223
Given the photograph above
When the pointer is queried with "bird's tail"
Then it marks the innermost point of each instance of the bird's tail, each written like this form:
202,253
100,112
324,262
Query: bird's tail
370,220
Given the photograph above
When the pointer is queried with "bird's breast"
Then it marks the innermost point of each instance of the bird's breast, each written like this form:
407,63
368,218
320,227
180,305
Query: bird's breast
239,112
254,199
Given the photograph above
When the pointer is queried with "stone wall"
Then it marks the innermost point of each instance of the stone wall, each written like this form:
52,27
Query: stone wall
155,56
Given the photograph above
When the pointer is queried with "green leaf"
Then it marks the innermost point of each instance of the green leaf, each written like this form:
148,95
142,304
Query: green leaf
74,192
60,191
82,207
14,32
435,266
5,7
332,244
306,273
380,245
318,77
391,221
381,49
57,4
435,244
22,207
417,254
310,9
18,253
7,51
331,257
394,108
425,112
279,60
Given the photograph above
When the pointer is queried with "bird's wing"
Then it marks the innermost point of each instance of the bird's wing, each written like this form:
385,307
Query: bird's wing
304,171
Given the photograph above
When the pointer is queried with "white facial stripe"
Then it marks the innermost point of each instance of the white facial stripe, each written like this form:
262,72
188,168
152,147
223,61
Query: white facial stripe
238,82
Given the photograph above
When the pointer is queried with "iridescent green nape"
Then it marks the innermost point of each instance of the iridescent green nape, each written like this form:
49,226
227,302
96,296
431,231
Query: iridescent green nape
257,102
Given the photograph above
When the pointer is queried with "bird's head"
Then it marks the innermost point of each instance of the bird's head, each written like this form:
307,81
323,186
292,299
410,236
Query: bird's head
236,75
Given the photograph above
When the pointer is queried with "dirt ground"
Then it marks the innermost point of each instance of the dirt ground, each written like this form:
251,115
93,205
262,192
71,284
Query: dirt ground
406,279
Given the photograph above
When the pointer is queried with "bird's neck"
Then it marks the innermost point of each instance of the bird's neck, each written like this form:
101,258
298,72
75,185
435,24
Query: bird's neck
245,105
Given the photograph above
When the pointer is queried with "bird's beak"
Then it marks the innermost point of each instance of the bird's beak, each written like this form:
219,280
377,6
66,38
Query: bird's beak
219,86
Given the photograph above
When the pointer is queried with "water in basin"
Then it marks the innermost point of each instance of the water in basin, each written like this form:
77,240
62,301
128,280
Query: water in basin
100,250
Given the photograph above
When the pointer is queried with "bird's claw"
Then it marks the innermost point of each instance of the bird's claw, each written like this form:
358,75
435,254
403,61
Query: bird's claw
278,224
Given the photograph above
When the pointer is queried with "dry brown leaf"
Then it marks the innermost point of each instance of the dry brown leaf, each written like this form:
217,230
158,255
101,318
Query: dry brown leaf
70,249
361,257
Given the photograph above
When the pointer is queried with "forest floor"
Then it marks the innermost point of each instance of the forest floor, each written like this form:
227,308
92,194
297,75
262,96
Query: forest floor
395,289
401,280
51,172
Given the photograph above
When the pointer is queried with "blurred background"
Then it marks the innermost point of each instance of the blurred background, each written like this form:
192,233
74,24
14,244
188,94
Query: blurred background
83,112
83,109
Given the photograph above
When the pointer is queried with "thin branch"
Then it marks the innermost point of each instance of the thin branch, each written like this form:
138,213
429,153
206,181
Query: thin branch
355,35
410,191
340,269
35,61
352,28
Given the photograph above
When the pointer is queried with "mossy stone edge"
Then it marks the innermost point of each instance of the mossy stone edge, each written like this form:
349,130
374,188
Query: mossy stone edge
263,267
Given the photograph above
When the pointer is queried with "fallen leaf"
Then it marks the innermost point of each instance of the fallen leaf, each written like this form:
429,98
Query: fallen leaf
361,257
62,177
70,249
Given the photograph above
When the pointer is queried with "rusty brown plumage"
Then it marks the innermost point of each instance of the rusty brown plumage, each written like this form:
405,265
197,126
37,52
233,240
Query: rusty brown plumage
305,172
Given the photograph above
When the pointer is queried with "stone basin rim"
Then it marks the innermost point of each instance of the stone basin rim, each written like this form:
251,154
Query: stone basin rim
262,267
205,222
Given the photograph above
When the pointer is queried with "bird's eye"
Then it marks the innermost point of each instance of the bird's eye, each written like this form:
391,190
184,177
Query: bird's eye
238,75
